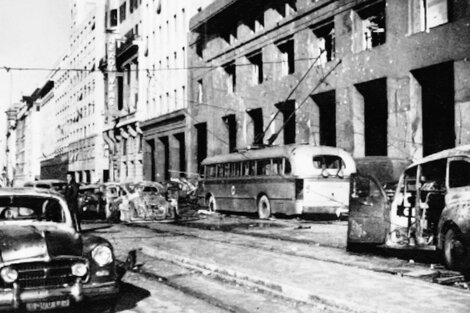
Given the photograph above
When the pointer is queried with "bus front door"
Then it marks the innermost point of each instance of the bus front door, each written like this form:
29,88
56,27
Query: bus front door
368,212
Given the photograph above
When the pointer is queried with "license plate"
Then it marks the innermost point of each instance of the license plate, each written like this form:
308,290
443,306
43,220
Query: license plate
47,305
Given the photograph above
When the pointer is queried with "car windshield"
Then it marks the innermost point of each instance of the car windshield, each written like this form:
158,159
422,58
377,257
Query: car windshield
17,208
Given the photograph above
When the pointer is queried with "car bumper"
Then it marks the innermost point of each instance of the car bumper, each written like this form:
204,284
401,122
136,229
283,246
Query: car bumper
100,291
16,299
338,211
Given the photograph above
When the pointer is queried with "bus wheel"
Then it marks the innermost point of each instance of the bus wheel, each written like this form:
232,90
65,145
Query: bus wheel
454,250
264,208
212,204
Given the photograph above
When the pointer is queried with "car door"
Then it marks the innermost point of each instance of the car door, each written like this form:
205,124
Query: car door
368,220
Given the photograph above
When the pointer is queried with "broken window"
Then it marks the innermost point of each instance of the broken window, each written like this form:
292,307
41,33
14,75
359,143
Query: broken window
230,35
201,130
256,61
375,103
231,77
286,48
368,26
425,14
231,122
326,103
257,117
459,173
325,33
286,8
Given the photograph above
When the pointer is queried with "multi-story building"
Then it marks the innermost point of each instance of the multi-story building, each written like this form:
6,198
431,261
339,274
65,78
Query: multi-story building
76,101
147,86
27,140
81,102
166,42
124,89
10,144
375,77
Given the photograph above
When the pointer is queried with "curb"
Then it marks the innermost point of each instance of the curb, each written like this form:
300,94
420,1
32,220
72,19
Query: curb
263,284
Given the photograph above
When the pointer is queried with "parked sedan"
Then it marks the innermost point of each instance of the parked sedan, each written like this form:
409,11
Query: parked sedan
52,184
91,201
45,260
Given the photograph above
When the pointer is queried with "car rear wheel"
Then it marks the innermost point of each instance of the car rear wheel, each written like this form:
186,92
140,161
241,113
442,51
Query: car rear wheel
264,207
212,204
455,253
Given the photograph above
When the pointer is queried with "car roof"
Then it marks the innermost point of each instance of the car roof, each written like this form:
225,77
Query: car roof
28,191
457,151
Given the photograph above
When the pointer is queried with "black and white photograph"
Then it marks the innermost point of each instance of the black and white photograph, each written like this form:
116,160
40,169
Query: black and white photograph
235,156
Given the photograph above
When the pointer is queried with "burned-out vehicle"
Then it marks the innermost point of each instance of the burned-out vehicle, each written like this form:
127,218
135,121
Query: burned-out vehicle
430,209
45,260
144,200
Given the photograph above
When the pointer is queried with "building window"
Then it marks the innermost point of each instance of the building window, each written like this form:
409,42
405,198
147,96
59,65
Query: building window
201,134
124,146
259,22
325,33
425,14
256,61
286,48
200,91
256,22
286,8
368,26
113,19
230,35
231,77
258,132
199,48
122,12
231,123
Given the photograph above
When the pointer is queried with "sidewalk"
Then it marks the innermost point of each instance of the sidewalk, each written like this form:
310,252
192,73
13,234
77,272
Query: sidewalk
310,280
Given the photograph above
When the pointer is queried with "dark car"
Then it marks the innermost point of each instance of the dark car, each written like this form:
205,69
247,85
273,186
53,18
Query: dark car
45,260
91,201
53,184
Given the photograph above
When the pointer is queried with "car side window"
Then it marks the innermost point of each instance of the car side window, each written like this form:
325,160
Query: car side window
459,173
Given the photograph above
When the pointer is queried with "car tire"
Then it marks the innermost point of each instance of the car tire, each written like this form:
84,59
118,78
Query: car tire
455,253
212,204
264,207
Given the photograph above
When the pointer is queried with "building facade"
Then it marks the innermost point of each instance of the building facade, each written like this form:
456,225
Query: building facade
374,77
76,101
124,89
166,42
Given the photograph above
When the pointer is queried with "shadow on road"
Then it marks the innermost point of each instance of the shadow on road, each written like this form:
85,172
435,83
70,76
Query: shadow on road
127,299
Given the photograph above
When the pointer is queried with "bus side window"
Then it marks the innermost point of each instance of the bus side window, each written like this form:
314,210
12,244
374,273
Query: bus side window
227,170
238,166
287,167
277,166
220,170
263,167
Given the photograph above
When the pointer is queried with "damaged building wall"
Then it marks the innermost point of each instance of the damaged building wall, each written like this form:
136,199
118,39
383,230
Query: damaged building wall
393,53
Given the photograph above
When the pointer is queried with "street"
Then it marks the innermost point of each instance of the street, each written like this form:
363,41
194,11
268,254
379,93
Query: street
217,262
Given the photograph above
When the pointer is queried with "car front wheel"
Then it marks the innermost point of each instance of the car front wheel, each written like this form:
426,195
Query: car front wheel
455,252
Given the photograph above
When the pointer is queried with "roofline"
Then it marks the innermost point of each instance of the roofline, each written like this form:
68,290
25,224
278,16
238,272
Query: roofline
448,153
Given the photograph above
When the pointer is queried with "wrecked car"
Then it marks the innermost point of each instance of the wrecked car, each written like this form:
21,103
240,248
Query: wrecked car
144,201
45,260
430,209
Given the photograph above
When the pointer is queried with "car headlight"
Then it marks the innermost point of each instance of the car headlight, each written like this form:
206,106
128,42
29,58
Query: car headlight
79,269
102,255
8,274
